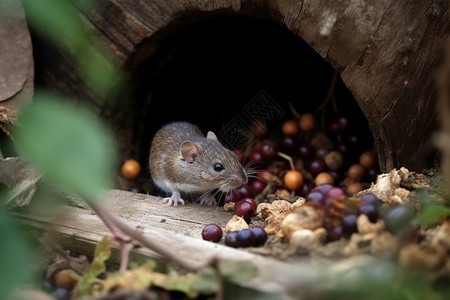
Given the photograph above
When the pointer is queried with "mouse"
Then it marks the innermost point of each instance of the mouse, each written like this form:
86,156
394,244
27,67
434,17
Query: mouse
185,161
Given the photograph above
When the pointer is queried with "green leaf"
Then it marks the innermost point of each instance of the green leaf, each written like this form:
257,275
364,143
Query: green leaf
68,144
15,256
237,271
431,213
102,253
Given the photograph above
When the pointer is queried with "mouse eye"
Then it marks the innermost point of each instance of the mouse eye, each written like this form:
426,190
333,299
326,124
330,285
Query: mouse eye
218,167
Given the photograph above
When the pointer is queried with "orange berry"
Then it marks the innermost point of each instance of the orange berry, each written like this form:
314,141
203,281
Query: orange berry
293,180
324,177
355,172
290,127
307,122
354,188
64,280
367,159
131,169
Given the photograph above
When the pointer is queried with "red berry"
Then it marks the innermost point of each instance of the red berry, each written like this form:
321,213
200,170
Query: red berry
233,196
245,191
258,185
239,154
231,239
246,208
317,165
212,232
255,156
268,150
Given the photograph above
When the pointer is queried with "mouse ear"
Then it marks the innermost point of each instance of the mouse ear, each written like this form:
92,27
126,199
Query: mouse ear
189,151
211,136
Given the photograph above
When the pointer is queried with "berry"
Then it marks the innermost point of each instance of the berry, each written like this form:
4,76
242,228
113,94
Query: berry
62,294
265,175
64,280
333,194
260,236
288,143
343,122
231,239
307,122
268,150
355,172
131,169
246,238
398,217
333,127
316,197
367,159
47,287
335,234
258,185
212,232
354,188
349,225
370,211
255,156
334,160
371,174
323,188
342,148
290,127
322,152
306,188
370,198
323,178
305,151
233,196
246,208
239,154
317,165
293,180
245,191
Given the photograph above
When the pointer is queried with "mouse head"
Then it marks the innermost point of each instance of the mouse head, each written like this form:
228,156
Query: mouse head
212,164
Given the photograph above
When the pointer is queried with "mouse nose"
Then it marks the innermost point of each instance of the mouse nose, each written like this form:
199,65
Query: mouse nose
238,180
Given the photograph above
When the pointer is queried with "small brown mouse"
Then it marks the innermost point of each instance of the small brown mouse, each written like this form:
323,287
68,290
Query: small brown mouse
183,160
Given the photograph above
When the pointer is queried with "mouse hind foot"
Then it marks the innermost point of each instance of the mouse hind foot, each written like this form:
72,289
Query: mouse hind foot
174,200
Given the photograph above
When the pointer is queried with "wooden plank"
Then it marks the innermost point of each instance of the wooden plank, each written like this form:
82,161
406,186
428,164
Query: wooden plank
176,228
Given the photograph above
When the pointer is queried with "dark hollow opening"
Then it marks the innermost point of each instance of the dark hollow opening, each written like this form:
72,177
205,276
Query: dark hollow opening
210,69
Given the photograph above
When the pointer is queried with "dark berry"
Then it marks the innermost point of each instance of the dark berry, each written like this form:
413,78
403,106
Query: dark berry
317,165
349,225
245,208
62,294
370,211
212,232
370,198
322,152
316,197
246,238
343,122
260,236
306,188
239,154
245,191
258,185
305,151
371,174
47,286
233,196
335,234
323,188
255,156
268,150
288,143
342,148
333,127
231,239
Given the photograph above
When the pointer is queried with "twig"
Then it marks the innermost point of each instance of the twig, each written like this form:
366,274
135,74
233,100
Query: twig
112,222
330,93
287,157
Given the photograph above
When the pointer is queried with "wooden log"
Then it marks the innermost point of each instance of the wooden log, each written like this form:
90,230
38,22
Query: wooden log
176,228
386,53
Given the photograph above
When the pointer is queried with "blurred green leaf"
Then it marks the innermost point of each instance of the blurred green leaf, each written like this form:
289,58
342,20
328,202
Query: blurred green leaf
68,144
431,213
61,23
15,256
237,271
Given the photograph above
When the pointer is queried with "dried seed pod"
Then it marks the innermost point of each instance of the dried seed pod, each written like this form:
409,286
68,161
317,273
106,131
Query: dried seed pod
236,223
305,217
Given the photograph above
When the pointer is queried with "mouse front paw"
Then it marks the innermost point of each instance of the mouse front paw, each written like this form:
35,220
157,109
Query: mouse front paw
174,200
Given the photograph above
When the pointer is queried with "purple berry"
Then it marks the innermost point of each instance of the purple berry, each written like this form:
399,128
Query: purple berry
316,197
349,225
370,211
370,198
335,234
260,236
231,239
212,232
323,188
334,193
246,238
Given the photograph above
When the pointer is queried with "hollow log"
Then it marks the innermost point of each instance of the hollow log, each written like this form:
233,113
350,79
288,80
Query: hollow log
386,52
